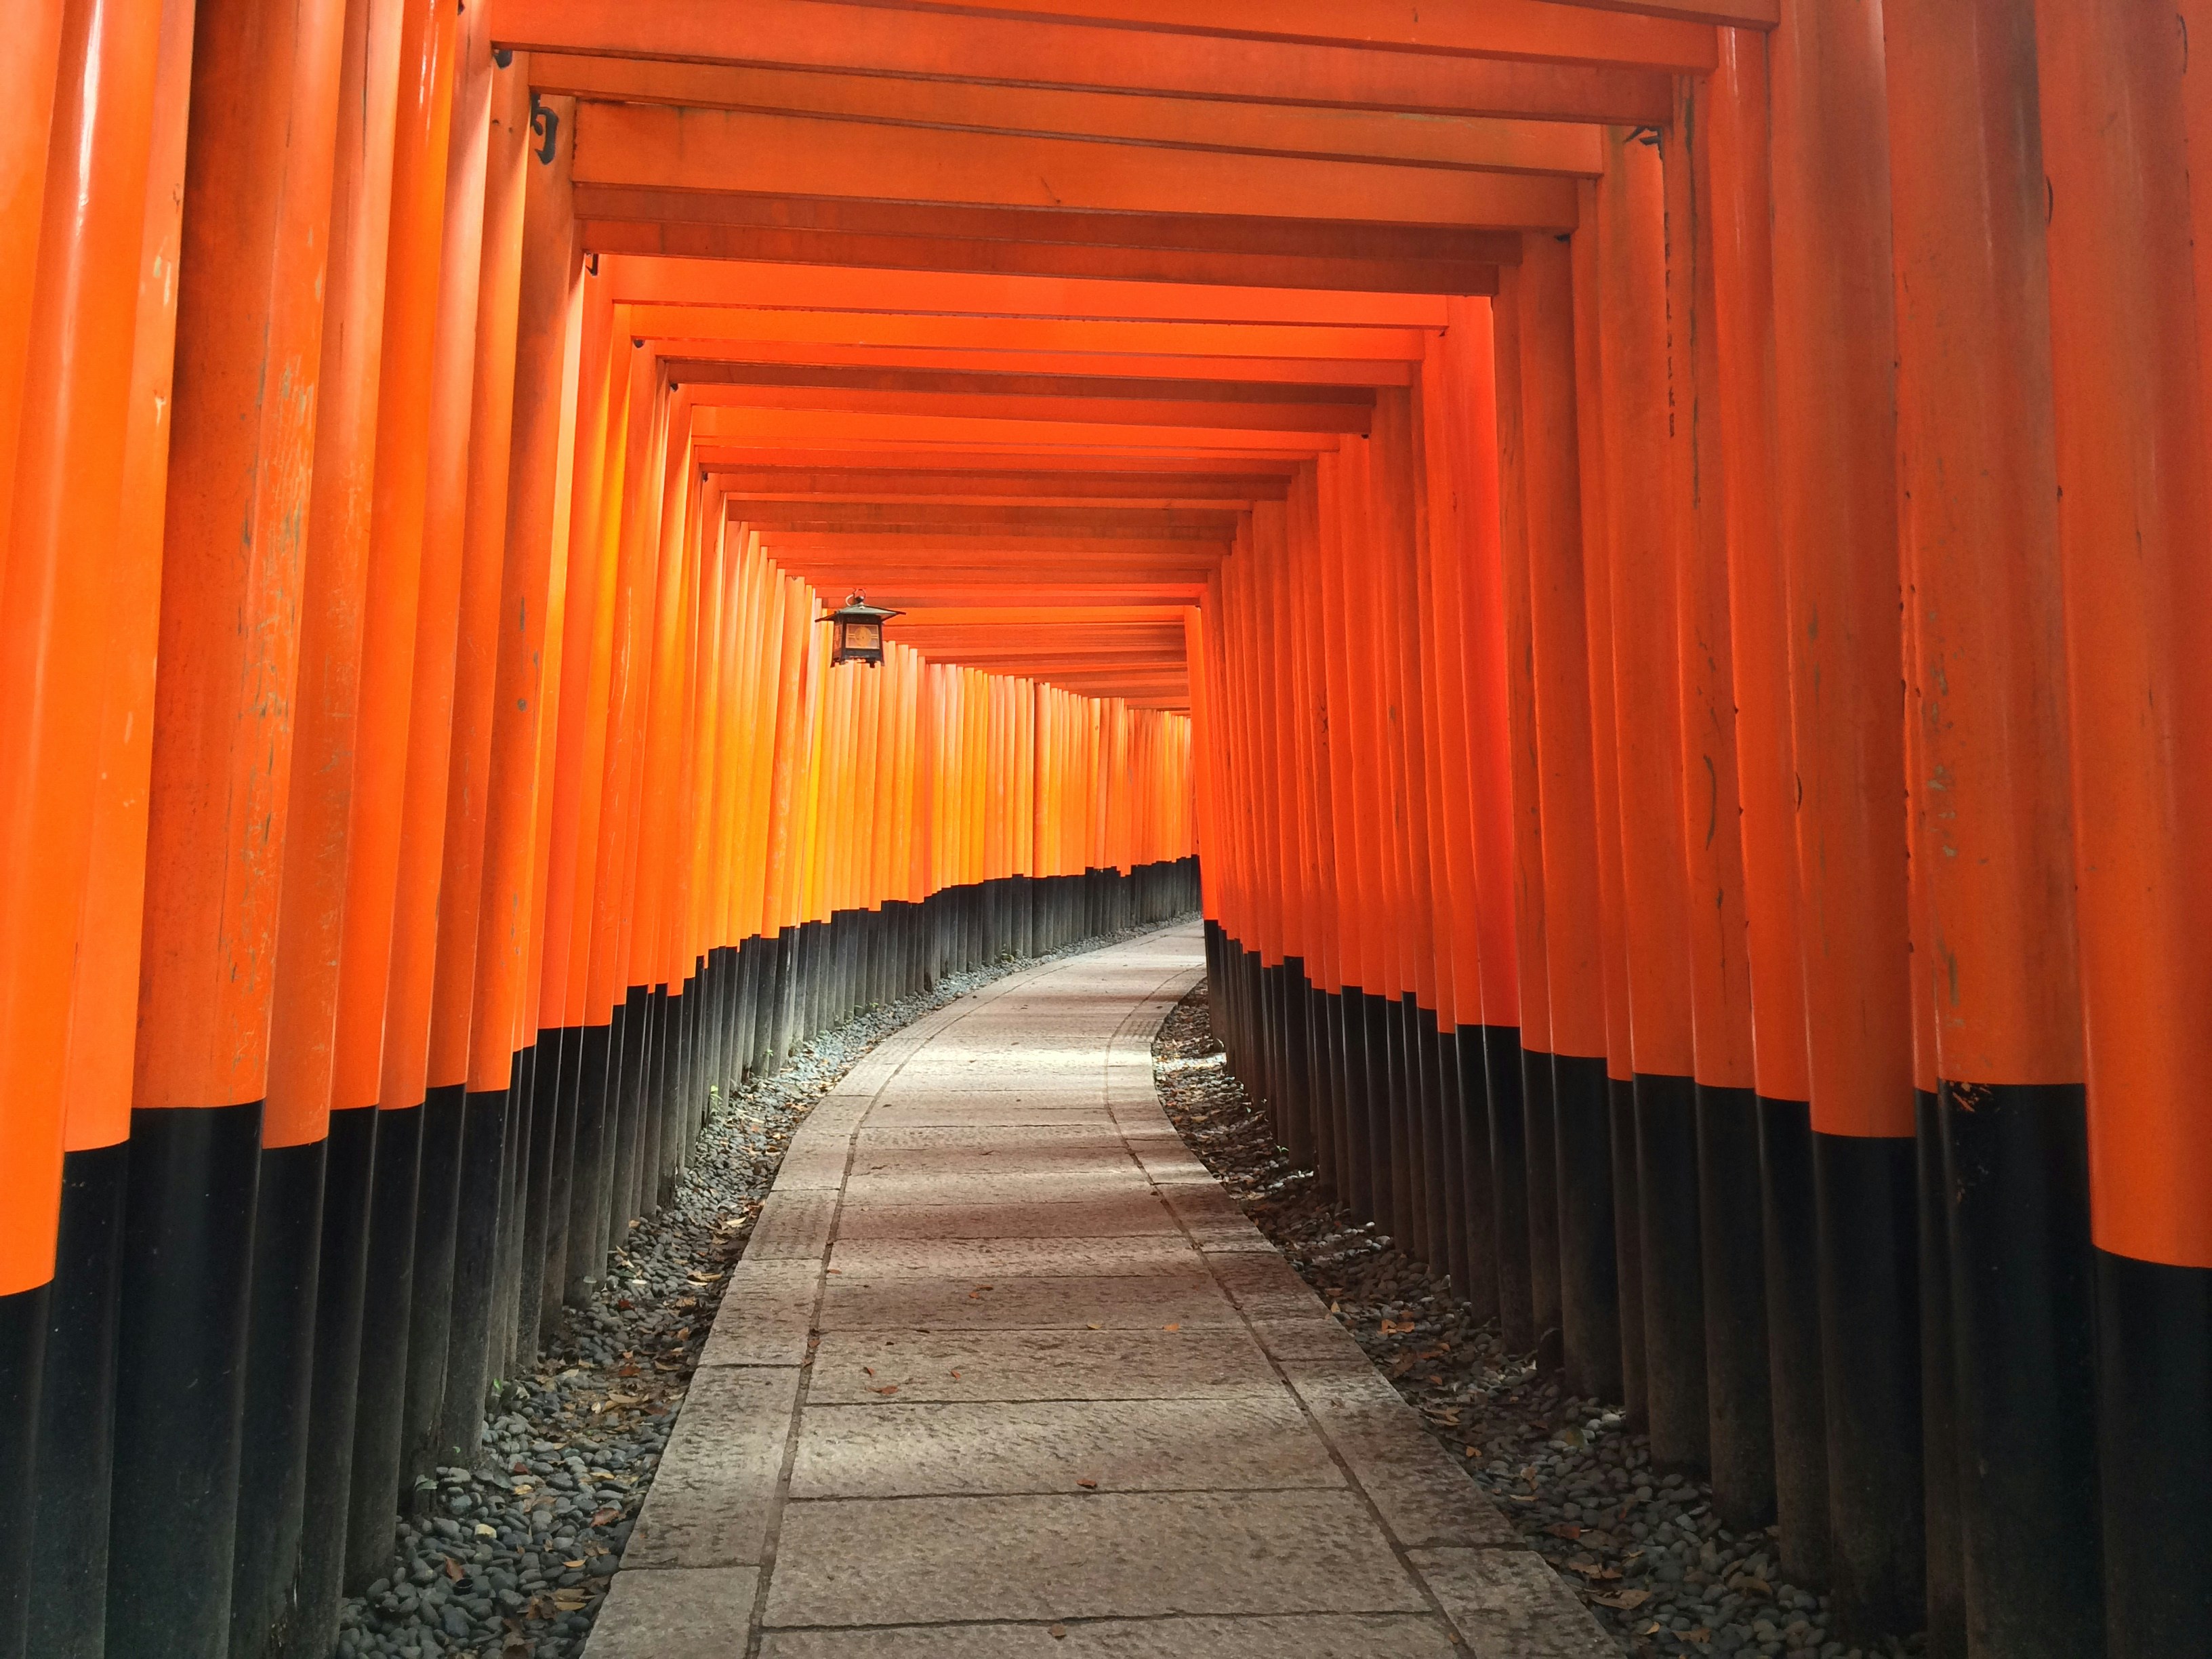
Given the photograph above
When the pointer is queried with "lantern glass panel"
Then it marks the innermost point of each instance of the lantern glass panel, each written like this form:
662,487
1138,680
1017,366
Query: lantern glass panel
864,636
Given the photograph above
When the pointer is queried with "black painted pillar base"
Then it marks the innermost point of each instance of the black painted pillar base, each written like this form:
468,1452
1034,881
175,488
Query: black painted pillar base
75,1416
1325,1078
373,1493
1381,1176
1628,1248
24,1317
1796,1374
1479,1192
341,1284
2154,1442
1360,1178
273,1471
571,1269
1673,1270
1939,1388
180,1378
1870,1349
430,1314
1447,1175
476,1243
1508,1186
1740,1400
542,1220
2022,1323
1590,1264
68,1545
1541,1155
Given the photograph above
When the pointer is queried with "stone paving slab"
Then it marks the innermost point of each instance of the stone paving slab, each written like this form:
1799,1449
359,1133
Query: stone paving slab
1088,1555
1322,1636
850,1367
1004,1371
1252,1442
703,1613
1029,1302
962,1258
1126,1213
710,1503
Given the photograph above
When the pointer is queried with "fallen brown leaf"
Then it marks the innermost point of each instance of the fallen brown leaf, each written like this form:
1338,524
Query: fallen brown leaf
1088,1485
1625,1601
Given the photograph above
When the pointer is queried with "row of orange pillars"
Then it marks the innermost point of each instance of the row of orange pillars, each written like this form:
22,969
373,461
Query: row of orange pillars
423,794
1707,815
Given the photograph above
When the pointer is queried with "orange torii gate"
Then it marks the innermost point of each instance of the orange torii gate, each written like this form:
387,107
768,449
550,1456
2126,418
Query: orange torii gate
1655,548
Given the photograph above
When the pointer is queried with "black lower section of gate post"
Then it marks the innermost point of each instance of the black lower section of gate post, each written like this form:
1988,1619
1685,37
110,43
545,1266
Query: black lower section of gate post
1478,1192
373,1493
1590,1266
2154,1442
1508,1186
280,1359
1542,1156
475,1247
1740,1399
67,1541
1870,1349
1296,1071
1939,1388
1628,1247
24,1316
1324,1067
2022,1324
430,1314
1360,1175
179,1378
1673,1269
1446,1179
580,1256
1791,1235
1381,1173
341,1284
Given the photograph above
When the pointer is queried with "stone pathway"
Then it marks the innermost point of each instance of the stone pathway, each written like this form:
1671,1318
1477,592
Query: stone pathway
1003,1371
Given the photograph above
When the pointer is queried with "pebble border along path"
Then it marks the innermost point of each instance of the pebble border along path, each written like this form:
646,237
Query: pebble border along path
1645,1551
511,1560
1004,1371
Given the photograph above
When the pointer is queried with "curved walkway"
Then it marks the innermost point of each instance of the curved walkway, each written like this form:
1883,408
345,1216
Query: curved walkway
1004,1371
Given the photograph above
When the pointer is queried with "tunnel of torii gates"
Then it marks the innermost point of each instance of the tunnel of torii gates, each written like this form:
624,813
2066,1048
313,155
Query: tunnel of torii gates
1660,552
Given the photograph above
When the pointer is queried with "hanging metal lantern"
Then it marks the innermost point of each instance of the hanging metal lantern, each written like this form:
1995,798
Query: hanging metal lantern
858,634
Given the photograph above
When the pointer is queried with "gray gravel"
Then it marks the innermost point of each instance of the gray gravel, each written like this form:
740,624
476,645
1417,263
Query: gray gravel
1643,1550
510,1560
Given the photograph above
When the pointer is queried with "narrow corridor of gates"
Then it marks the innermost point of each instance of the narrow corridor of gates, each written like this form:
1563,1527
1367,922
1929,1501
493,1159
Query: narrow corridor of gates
1648,563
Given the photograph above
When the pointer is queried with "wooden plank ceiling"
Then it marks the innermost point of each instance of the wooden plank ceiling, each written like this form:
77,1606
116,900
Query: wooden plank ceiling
1009,314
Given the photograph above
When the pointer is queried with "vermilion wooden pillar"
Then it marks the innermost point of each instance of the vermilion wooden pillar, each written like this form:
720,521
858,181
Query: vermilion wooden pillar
304,1011
67,1570
2125,135
1573,938
422,132
1508,1117
1992,816
1743,330
250,317
1645,541
1613,946
1837,526
1739,1399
